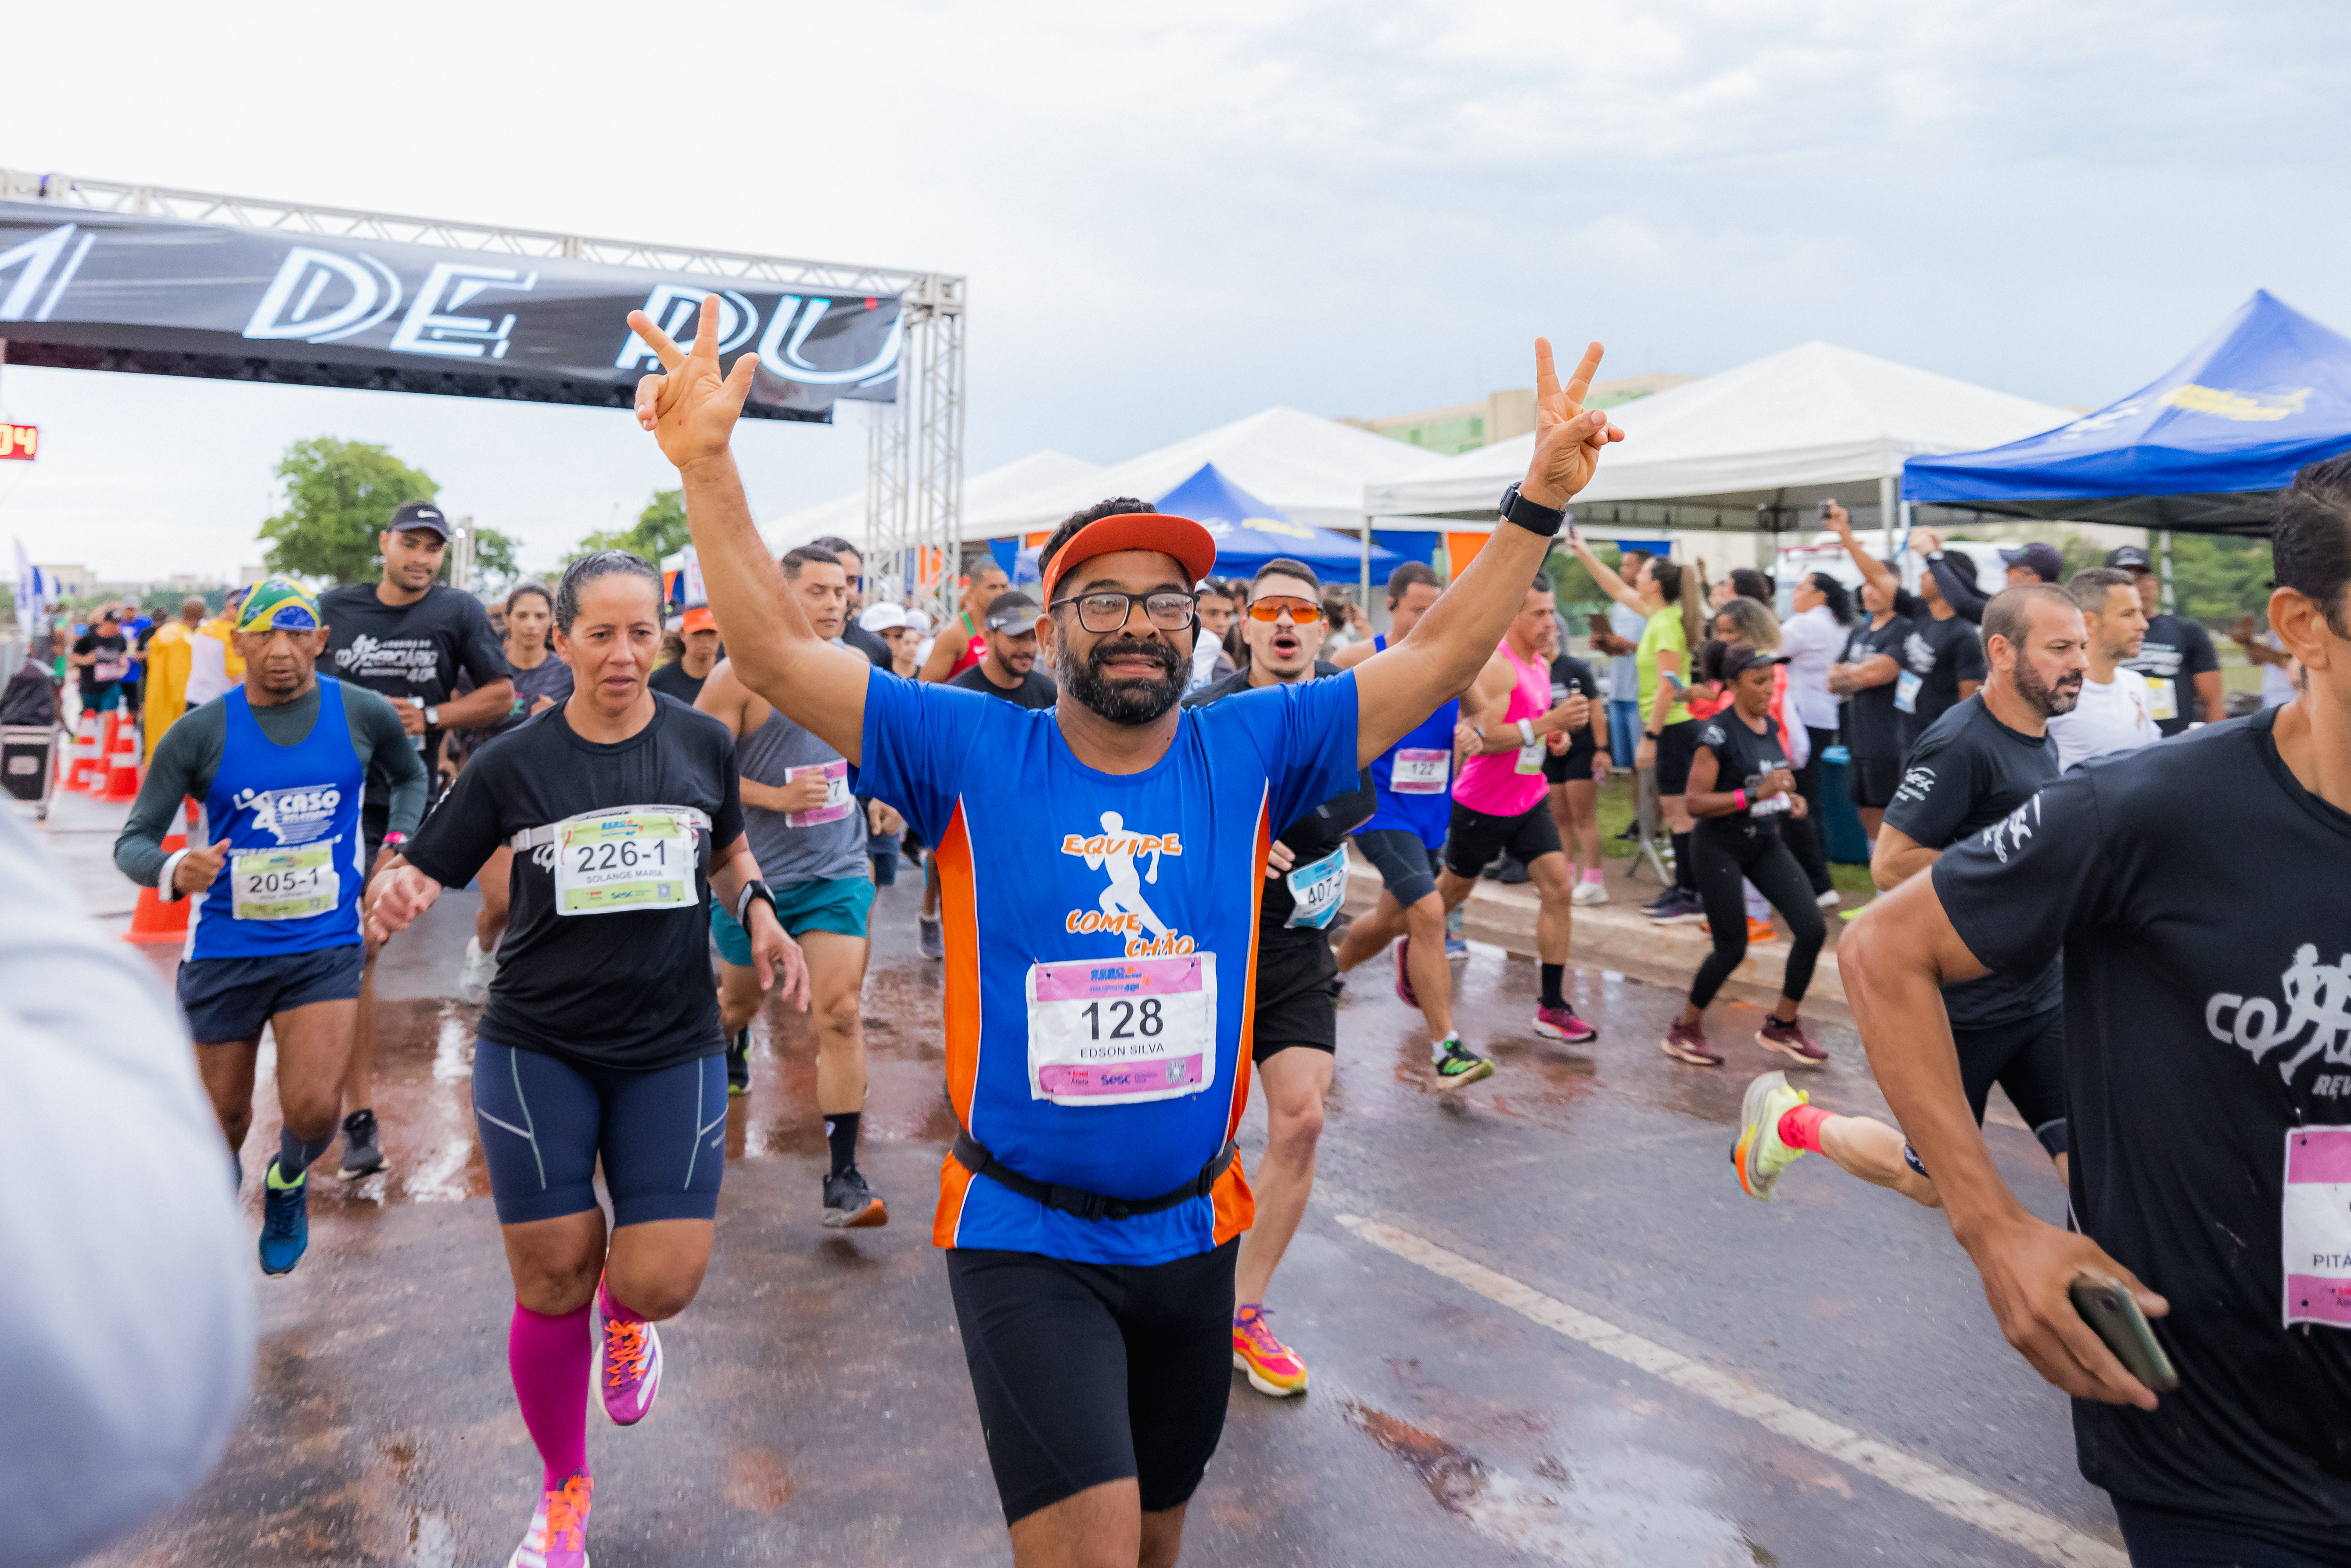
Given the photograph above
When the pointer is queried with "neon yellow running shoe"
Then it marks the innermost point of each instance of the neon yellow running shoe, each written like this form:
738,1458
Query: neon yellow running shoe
1759,1157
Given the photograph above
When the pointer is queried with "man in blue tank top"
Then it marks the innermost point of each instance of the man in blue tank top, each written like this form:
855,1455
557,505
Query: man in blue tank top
280,764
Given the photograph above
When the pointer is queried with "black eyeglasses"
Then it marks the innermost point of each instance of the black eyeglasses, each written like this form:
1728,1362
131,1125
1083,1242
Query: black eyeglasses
1100,612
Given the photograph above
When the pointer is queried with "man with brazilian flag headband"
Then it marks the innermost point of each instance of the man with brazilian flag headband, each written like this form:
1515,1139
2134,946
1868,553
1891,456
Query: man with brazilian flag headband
280,765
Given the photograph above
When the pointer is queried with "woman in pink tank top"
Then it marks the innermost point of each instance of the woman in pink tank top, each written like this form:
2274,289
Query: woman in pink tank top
1508,783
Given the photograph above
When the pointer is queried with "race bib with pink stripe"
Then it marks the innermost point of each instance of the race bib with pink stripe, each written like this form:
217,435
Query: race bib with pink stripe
1119,1032
2316,1225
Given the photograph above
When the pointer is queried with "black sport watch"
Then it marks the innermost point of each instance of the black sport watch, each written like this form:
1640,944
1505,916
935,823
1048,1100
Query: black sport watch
1537,519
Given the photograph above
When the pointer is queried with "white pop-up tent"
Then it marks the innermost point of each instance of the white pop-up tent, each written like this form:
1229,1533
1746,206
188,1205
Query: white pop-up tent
844,515
1754,448
1314,470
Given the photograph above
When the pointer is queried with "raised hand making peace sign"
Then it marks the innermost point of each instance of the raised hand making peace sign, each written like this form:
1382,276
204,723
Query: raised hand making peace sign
690,408
1567,439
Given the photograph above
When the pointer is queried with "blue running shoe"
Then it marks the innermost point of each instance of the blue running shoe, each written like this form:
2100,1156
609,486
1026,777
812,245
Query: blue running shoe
285,1222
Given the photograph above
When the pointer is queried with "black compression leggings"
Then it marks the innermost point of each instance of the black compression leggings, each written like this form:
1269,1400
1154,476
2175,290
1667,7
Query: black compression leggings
1724,854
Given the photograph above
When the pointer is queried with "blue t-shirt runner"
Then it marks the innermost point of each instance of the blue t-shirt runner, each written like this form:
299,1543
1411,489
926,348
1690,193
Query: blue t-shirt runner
1100,865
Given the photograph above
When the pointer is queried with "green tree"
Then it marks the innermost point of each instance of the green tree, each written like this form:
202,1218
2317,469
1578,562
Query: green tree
660,531
2215,580
339,494
494,560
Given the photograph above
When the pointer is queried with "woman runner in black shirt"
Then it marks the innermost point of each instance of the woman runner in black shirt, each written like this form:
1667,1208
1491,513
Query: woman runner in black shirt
601,1041
1738,837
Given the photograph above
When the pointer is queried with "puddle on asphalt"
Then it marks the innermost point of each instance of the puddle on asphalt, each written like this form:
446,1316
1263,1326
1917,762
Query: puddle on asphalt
1628,1507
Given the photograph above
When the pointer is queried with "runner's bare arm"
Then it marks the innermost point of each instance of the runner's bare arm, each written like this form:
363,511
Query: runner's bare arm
726,698
1398,688
691,411
1895,960
1878,670
773,953
1610,583
1353,653
1875,572
1897,857
478,706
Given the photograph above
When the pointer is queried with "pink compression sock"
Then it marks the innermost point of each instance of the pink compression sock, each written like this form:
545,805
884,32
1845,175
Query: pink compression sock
615,1309
1800,1127
1593,875
549,1358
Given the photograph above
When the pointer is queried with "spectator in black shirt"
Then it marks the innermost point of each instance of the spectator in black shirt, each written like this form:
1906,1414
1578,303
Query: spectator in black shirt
1009,668
682,677
1941,660
2177,656
1866,678
102,655
2027,564
2196,889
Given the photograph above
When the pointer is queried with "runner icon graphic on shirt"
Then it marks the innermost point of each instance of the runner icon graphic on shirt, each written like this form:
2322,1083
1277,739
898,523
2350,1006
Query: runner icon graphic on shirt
1123,908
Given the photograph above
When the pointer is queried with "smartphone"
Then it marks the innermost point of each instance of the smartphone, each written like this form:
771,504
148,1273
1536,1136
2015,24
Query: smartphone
1824,509
2114,1313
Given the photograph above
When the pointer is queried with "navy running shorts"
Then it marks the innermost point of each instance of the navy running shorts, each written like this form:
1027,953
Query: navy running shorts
228,999
2026,1057
544,1119
1406,867
1088,1373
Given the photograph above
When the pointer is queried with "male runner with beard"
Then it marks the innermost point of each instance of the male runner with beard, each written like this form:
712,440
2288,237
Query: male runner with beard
1103,862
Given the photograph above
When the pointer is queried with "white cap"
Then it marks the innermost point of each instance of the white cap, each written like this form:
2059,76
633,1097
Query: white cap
919,619
878,618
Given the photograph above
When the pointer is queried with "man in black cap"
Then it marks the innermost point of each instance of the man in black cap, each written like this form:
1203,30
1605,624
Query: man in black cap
1009,668
2027,564
2182,668
406,637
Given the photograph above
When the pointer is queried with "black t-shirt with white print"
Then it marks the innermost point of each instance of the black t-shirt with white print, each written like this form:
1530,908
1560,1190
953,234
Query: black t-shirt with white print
2175,650
2197,889
1968,772
1941,653
613,987
1739,754
407,652
1874,730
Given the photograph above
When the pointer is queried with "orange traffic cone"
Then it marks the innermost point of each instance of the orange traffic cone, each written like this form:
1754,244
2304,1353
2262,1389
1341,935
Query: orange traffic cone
155,921
86,754
122,771
94,783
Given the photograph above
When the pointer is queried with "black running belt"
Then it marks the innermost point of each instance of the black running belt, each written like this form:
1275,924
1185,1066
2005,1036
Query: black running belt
1077,1200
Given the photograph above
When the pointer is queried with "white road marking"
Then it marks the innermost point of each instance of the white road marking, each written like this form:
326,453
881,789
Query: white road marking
2044,1537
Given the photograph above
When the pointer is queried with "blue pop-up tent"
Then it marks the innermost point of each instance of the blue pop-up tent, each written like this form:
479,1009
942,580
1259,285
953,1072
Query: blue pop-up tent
2204,448
1249,532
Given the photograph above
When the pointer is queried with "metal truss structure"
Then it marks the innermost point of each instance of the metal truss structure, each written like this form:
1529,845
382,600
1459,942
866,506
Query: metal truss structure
914,499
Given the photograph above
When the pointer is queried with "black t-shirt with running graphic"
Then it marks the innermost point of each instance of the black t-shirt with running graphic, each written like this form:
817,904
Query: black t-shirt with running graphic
410,652
1874,730
614,987
1739,754
2197,889
2174,651
1941,653
1966,773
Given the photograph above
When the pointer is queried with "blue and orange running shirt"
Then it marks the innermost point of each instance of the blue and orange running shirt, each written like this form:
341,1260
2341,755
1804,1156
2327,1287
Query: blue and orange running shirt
1102,944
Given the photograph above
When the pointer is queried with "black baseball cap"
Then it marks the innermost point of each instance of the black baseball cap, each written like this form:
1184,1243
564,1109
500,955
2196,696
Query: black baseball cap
1004,615
1739,658
418,515
2130,557
2042,560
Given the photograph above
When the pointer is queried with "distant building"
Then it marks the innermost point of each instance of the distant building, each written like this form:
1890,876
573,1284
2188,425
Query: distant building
74,581
1466,427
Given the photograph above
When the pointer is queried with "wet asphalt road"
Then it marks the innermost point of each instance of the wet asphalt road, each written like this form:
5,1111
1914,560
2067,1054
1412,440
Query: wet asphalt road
816,1408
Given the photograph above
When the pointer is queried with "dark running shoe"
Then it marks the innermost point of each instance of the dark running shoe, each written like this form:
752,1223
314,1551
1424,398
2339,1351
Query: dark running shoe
1410,998
362,1154
1562,1023
1790,1041
851,1205
1457,1064
285,1221
1687,1042
738,1063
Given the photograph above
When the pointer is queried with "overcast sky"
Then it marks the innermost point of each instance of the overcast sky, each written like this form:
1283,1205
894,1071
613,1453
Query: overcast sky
1172,218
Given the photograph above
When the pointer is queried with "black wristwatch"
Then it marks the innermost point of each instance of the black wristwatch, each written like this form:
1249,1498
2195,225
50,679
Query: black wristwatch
1540,520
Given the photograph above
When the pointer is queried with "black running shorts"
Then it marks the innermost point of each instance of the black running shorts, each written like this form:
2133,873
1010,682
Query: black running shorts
1872,781
545,1123
2027,1059
1476,838
1407,866
1088,1373
1677,750
228,999
1294,1004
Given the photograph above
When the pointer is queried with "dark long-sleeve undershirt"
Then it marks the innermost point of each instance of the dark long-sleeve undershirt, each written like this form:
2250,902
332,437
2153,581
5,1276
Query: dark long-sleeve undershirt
190,754
1965,602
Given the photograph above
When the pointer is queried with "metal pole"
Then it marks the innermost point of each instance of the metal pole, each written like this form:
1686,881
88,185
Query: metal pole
1367,565
1885,502
2164,550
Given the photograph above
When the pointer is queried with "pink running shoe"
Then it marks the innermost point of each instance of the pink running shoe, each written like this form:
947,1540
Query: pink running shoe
1272,1366
1790,1041
557,1537
1562,1023
630,1367
1687,1042
1403,973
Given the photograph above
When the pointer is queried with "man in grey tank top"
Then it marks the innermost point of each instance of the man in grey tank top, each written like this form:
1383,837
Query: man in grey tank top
807,834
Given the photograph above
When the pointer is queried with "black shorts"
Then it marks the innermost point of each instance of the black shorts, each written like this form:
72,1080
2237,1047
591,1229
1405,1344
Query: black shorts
1088,1373
1406,864
1677,750
2026,1058
1570,766
228,999
1294,1004
375,821
2168,1538
1872,781
1476,838
544,1122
